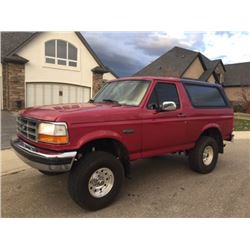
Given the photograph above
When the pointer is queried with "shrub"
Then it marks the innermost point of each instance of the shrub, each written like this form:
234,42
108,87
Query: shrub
239,108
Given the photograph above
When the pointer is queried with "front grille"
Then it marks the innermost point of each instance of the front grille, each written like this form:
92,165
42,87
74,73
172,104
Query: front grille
27,127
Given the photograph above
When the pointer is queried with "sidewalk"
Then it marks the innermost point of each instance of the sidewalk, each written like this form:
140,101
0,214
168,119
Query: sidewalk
244,116
10,163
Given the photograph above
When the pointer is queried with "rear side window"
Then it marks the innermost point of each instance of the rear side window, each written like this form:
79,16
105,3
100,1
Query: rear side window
205,96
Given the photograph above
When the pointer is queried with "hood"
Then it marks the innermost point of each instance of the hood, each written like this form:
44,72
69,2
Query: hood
78,113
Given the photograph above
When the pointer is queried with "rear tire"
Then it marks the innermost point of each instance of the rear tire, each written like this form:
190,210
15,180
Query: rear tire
95,180
203,157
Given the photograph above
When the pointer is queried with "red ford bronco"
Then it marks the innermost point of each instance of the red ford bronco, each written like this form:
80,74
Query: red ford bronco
128,119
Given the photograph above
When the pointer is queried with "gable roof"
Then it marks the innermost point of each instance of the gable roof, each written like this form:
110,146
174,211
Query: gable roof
237,74
11,42
212,64
206,74
173,63
176,61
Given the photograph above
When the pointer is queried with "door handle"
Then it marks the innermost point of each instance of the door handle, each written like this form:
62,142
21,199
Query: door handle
182,115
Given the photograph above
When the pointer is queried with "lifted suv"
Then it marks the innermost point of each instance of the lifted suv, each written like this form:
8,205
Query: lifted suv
129,119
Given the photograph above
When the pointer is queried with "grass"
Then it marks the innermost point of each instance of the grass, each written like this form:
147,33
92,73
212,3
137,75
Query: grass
241,125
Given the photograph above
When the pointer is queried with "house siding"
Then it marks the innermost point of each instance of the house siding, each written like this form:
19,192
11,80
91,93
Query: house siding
234,94
221,73
211,79
195,70
109,76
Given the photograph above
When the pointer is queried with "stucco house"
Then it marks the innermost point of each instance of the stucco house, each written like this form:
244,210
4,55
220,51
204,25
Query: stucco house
40,68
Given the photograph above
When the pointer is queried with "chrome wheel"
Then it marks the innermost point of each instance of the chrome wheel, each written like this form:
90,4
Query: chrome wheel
101,182
208,155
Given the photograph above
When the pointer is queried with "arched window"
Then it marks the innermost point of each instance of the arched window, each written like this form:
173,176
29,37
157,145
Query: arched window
60,52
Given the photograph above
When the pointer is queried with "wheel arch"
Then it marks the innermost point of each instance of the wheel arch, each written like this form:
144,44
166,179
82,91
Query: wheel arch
214,132
110,145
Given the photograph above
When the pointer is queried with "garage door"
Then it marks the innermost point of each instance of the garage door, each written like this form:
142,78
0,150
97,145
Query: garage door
55,93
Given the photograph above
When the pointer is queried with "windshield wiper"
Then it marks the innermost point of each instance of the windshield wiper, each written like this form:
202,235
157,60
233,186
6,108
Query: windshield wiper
111,101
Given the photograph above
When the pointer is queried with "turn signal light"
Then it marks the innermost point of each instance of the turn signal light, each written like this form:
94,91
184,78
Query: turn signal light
53,139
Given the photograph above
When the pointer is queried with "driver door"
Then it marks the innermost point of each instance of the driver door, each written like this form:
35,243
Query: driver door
163,131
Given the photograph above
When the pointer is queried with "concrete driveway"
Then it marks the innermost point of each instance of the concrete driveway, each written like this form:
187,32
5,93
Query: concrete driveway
160,187
8,128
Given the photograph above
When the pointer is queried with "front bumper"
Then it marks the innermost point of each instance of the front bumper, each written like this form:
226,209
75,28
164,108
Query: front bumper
46,161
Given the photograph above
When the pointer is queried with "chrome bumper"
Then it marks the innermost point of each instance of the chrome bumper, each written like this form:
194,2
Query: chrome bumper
49,161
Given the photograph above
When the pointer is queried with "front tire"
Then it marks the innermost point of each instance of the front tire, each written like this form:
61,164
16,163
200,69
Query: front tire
95,180
204,156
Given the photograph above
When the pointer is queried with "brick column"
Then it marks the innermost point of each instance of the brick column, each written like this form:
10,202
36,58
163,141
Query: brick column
97,82
13,86
97,78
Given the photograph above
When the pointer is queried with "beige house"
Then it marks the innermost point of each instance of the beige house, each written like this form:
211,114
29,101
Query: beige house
42,68
184,63
237,83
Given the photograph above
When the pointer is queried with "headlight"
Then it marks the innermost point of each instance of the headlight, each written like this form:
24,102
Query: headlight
53,133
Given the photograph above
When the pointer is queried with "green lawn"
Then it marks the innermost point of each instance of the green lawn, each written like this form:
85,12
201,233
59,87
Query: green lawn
241,125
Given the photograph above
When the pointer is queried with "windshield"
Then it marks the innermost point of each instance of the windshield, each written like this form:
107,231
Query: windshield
128,92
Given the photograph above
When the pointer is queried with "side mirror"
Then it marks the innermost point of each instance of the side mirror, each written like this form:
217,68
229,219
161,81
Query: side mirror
168,106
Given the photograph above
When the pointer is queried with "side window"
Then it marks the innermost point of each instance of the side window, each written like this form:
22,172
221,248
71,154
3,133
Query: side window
205,96
163,92
153,101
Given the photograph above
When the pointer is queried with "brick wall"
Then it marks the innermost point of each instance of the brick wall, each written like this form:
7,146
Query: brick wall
13,86
234,94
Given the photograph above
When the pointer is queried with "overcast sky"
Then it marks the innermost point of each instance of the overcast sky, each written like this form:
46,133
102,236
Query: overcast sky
127,52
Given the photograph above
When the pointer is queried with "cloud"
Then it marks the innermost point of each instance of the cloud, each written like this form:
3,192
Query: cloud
232,48
128,52
155,44
116,51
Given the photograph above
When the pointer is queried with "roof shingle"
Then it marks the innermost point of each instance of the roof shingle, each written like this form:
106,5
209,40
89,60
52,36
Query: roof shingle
172,63
237,74
12,40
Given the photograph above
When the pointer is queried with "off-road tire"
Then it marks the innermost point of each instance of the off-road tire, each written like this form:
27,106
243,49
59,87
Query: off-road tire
196,155
81,172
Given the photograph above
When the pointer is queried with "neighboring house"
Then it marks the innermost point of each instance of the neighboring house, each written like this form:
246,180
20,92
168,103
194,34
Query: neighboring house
40,68
184,63
237,82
